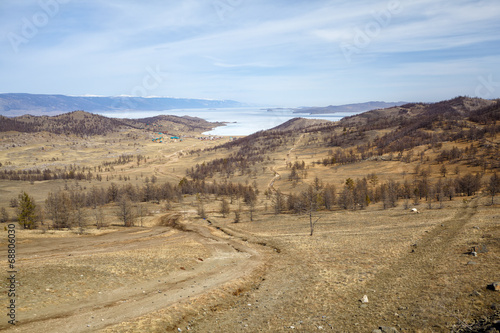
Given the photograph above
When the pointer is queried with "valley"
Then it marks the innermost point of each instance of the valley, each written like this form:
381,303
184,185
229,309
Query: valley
285,229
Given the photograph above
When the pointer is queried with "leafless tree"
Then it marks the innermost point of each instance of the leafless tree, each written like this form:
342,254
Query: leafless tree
250,198
311,201
329,196
237,216
125,212
493,186
4,216
201,210
59,208
80,217
278,202
443,170
224,207
141,210
346,198
99,217
13,202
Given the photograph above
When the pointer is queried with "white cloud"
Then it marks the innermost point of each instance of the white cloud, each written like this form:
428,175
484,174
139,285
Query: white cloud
258,50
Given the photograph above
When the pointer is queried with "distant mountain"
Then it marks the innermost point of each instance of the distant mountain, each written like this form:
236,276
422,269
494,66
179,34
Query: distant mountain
19,104
354,108
299,123
82,123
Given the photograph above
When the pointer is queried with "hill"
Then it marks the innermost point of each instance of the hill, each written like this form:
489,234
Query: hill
349,108
36,104
82,123
392,134
299,123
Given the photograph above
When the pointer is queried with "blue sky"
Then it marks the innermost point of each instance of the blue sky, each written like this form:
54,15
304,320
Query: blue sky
287,53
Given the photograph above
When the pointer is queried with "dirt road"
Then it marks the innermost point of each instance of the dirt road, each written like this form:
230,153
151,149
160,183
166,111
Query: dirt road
414,269
418,289
228,260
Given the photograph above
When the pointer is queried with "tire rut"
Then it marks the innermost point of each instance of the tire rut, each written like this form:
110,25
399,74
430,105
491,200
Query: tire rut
401,291
236,259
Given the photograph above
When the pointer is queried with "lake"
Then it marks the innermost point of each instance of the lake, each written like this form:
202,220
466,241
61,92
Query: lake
241,121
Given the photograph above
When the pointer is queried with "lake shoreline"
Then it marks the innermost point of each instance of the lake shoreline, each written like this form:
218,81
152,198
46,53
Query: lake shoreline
238,121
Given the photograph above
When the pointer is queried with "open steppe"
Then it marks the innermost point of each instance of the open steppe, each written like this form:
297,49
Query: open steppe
185,265
268,275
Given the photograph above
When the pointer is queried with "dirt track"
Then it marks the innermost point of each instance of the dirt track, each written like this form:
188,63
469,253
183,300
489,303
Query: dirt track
411,292
429,287
310,282
228,261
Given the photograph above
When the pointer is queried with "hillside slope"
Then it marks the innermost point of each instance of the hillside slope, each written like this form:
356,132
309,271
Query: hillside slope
299,123
348,108
392,134
83,123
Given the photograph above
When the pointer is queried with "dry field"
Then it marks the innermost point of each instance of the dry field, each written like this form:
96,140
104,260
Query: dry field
414,268
268,275
22,151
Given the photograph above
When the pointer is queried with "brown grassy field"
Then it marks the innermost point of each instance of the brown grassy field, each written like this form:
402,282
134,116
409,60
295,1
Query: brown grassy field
267,275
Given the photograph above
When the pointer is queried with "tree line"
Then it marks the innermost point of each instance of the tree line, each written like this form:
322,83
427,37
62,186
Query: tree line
360,193
65,208
70,172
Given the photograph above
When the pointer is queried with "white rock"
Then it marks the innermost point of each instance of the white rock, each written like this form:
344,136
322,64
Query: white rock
364,299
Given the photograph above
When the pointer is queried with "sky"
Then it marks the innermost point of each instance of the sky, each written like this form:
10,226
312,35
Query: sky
267,52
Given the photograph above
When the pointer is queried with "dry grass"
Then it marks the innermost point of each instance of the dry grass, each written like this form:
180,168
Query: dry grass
92,269
301,281
318,281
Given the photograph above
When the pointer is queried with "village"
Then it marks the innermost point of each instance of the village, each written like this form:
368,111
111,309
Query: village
166,138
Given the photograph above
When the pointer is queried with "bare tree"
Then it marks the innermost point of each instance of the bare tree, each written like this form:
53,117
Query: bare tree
449,188
494,186
431,196
346,198
251,208
125,212
59,208
99,217
14,203
469,184
279,202
250,198
439,192
141,210
201,210
329,196
443,170
80,217
311,199
237,216
224,208
4,216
